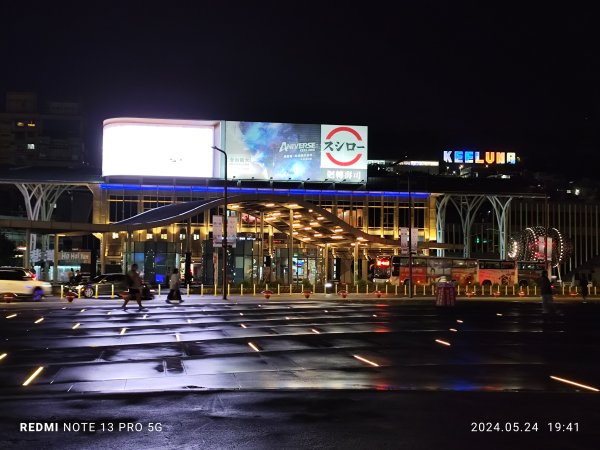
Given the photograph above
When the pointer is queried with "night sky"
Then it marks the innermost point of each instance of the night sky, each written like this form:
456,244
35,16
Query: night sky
425,78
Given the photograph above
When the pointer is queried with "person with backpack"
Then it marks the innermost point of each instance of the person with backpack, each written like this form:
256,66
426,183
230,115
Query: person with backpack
135,287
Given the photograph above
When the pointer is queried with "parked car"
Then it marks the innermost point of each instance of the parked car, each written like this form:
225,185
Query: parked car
105,285
18,281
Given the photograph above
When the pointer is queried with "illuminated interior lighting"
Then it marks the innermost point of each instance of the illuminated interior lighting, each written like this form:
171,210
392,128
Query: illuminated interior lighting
310,210
3,355
296,225
295,232
439,341
292,205
123,331
498,314
276,214
41,319
459,321
374,315
314,224
307,228
11,316
241,314
318,235
574,383
76,326
254,347
243,326
320,218
453,329
268,205
33,375
233,206
366,360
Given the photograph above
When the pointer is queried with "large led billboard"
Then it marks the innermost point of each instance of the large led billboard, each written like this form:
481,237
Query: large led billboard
158,147
284,151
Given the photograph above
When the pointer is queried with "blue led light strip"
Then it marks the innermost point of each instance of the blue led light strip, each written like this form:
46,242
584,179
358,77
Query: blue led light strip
138,187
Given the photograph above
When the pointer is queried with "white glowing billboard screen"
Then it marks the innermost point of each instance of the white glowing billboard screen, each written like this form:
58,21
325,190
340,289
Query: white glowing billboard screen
157,147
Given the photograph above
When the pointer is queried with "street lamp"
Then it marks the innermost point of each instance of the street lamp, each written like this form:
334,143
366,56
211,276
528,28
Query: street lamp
224,244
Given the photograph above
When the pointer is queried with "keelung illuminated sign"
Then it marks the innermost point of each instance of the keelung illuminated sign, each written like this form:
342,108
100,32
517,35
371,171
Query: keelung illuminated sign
476,157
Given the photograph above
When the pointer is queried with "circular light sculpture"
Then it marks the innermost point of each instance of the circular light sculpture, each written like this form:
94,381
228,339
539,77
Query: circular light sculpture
528,245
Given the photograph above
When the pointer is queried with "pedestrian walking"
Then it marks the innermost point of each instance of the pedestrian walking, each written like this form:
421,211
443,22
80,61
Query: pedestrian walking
583,284
135,287
174,286
546,292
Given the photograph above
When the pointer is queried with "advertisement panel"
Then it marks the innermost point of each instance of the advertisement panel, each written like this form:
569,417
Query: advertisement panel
284,151
157,147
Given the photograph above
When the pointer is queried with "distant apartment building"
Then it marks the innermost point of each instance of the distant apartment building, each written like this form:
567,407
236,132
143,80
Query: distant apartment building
40,134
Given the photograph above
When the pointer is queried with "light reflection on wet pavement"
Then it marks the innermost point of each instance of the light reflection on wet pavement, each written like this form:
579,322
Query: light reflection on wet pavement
502,346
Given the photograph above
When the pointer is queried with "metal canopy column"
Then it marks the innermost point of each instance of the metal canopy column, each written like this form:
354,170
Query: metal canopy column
501,207
46,196
440,220
467,208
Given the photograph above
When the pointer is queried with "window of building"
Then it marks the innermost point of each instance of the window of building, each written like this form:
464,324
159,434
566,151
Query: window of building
30,146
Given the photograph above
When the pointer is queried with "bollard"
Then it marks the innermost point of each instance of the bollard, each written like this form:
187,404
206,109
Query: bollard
188,289
527,290
458,290
254,289
291,289
97,291
432,292
278,291
357,288
159,286
242,289
266,287
202,289
335,288
563,290
405,290
62,288
415,290
424,291
112,291
78,292
215,291
228,290
535,290
396,289
367,291
386,289
506,290
513,289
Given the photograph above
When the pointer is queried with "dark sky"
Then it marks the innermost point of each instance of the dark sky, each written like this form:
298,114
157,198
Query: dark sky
424,78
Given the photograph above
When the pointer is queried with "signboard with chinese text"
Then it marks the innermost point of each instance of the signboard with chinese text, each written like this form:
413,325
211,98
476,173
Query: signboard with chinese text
283,151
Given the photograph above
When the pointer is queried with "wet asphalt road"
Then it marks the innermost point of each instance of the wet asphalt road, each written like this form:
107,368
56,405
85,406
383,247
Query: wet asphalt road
315,369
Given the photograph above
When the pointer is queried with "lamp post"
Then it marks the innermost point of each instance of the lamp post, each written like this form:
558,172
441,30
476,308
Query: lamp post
224,244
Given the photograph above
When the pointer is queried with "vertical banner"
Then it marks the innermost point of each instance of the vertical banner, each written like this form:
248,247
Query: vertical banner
549,257
217,223
414,239
404,240
231,231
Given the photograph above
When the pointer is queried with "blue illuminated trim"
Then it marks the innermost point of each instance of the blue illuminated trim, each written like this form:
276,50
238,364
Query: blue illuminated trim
296,191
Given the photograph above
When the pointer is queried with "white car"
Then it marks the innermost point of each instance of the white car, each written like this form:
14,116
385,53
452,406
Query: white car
19,282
